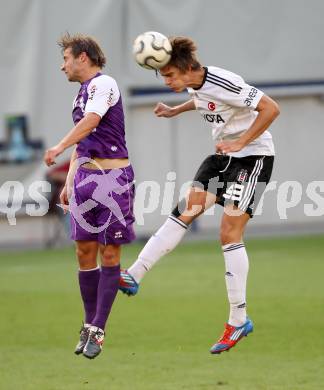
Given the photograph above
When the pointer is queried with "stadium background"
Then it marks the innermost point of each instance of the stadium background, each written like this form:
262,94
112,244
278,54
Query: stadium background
277,46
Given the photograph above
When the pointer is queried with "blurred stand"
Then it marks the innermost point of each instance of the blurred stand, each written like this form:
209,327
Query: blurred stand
23,187
17,147
56,177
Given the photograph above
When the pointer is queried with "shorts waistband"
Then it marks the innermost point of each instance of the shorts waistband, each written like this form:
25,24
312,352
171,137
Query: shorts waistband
101,171
219,155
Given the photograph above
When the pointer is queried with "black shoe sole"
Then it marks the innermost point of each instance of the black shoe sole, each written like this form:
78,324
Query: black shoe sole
91,357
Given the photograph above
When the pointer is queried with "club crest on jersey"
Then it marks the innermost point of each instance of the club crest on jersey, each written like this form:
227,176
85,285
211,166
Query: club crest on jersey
211,106
242,176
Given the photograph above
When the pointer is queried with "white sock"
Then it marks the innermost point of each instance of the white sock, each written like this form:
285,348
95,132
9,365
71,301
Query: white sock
163,241
237,267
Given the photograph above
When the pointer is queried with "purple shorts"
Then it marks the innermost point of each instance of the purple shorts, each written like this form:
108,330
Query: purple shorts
101,206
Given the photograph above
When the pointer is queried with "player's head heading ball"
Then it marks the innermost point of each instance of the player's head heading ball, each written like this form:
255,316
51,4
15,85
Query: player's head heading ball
183,70
79,44
183,54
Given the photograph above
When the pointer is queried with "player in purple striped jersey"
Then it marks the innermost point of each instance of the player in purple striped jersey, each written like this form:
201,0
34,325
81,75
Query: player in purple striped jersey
239,115
99,190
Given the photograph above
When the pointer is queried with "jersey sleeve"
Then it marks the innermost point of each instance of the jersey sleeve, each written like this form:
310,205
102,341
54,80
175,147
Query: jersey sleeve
234,91
103,93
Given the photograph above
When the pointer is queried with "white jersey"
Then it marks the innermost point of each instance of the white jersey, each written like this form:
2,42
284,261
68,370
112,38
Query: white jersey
103,93
228,104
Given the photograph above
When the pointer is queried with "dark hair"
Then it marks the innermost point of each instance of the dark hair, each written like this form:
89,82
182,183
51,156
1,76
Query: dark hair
183,54
80,43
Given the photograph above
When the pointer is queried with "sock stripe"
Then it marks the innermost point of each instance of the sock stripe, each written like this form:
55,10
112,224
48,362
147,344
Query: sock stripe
176,220
234,247
228,246
89,270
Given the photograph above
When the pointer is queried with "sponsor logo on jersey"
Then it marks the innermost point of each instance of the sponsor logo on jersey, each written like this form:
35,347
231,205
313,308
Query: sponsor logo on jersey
252,94
92,92
211,106
242,176
110,97
217,118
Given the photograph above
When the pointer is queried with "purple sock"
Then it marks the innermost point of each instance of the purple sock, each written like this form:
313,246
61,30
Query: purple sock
88,281
107,290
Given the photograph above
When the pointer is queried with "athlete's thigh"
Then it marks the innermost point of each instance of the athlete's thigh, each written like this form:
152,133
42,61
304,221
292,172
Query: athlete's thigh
82,218
199,199
233,218
245,181
115,215
208,183
193,205
209,175
233,225
203,191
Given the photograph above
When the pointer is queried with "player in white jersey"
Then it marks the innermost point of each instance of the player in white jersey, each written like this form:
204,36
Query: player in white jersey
239,115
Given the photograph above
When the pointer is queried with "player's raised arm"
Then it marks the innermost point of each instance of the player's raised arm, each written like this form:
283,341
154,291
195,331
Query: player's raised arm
165,111
83,128
67,189
268,111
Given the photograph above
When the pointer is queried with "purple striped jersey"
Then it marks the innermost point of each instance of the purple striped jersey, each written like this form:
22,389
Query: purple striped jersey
101,95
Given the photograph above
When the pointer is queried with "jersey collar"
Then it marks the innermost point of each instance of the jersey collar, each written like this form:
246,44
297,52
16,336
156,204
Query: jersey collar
203,80
96,75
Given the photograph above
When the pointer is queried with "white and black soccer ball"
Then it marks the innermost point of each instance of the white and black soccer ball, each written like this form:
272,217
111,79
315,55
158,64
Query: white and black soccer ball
152,50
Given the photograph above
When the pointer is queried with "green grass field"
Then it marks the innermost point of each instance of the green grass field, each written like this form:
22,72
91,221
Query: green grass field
160,339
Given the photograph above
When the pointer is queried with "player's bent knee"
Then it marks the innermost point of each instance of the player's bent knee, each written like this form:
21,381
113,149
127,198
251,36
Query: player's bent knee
83,253
110,255
190,209
87,255
179,209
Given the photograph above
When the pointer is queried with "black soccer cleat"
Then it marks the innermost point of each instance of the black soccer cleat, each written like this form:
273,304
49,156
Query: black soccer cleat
93,346
84,334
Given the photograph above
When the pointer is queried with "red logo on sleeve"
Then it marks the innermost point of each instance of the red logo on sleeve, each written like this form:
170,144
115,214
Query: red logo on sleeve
211,106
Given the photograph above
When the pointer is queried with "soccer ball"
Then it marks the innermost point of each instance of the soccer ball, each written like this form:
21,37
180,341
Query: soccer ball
152,50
